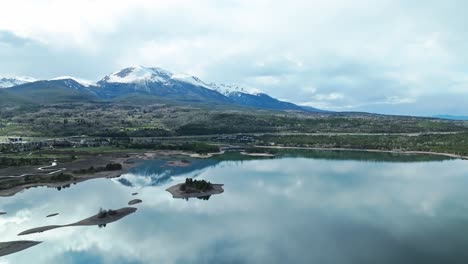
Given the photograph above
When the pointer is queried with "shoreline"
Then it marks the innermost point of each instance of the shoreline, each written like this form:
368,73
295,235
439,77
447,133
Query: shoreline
409,152
134,159
257,154
203,156
126,166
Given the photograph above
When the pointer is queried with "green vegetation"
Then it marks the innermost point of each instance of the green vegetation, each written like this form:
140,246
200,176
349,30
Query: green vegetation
197,147
113,166
346,155
104,213
258,150
191,185
53,92
447,143
92,169
8,183
73,130
6,162
61,177
122,119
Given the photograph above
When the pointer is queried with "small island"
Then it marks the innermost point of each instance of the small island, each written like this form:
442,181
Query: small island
52,215
195,188
134,201
101,219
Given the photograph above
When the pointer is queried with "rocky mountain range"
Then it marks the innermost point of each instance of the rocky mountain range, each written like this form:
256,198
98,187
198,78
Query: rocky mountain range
142,82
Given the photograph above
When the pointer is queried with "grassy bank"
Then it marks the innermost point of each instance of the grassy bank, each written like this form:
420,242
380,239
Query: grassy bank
449,143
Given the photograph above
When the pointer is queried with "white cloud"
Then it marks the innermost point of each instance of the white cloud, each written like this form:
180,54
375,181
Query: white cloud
266,80
362,50
329,97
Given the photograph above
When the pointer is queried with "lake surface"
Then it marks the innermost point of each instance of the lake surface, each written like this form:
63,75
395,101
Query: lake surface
324,208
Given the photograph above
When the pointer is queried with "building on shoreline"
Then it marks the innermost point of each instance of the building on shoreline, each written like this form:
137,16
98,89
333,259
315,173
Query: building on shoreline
15,139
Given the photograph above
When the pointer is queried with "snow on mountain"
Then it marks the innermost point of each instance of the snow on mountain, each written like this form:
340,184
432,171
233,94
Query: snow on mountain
83,82
10,82
138,75
141,75
234,89
155,81
189,79
144,77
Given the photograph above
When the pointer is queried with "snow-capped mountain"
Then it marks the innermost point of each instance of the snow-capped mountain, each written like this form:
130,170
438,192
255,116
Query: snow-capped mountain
233,89
10,82
252,97
189,79
144,75
157,82
153,83
138,75
83,82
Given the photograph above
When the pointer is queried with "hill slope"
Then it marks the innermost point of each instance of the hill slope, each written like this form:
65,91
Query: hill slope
10,100
66,90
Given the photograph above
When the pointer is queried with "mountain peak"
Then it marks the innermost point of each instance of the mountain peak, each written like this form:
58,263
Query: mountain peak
141,75
138,74
83,82
13,81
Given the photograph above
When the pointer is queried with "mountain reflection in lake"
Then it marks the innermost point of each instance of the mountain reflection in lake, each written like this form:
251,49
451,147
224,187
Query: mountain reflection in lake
283,210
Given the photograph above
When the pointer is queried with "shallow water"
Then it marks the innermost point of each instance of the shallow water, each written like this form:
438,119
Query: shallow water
282,210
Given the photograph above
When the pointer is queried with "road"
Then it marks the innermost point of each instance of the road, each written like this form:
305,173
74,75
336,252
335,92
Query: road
44,168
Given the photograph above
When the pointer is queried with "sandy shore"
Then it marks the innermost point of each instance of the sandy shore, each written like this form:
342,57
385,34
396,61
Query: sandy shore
204,156
373,150
258,154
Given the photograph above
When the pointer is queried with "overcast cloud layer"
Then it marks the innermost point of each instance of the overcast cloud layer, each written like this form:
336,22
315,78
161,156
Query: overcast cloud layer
398,57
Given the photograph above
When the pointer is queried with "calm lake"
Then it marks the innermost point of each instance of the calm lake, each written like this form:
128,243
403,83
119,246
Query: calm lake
328,207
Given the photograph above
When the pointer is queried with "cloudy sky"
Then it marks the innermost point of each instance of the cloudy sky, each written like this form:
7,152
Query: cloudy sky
385,56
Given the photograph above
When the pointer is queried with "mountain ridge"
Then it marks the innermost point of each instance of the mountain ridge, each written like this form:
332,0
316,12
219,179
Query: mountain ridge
151,82
7,82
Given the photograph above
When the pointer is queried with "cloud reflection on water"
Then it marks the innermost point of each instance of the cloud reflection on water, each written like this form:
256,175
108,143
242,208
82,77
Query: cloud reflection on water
293,210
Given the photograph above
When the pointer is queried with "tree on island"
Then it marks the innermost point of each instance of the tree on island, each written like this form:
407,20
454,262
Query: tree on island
105,213
199,185
114,166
